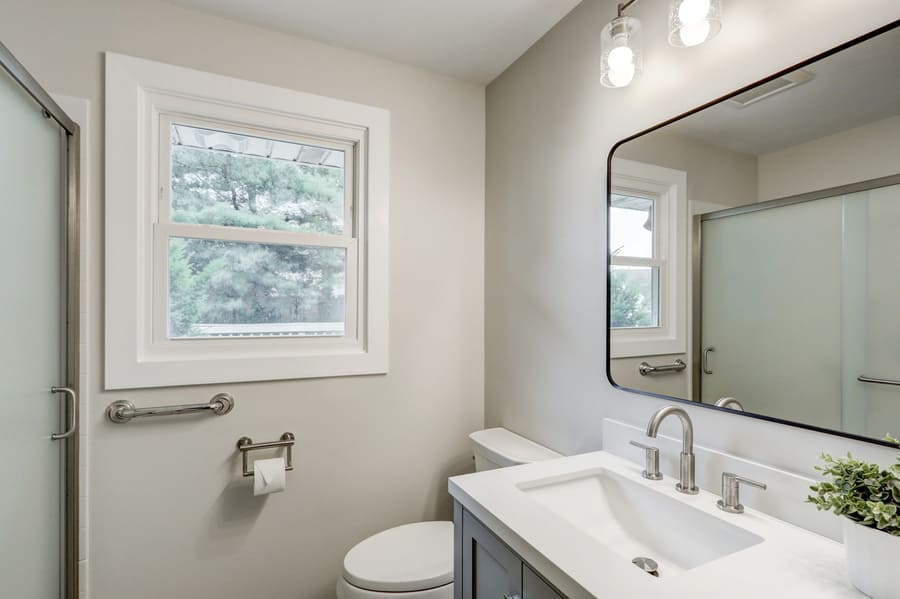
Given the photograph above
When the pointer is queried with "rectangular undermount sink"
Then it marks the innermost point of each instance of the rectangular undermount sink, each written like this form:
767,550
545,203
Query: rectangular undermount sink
633,520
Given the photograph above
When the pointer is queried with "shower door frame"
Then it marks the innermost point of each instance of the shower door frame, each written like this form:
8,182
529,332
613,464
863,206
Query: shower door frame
70,160
697,264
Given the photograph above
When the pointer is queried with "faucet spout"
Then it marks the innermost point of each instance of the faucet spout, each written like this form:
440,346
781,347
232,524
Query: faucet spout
688,471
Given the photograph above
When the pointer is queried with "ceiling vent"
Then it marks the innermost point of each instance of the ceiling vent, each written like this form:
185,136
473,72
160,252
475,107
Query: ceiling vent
770,88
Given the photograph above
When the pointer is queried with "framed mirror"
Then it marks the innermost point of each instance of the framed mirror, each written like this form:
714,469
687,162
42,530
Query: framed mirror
754,248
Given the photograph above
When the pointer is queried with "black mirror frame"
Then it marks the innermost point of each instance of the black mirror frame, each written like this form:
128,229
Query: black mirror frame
800,65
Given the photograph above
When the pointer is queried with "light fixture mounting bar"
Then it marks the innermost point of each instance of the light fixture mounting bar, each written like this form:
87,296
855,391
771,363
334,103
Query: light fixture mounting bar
625,5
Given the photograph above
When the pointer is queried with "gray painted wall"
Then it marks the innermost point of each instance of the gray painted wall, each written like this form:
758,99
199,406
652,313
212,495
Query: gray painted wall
545,219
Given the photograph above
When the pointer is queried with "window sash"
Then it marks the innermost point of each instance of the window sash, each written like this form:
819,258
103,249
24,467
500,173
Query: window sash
353,282
163,213
659,215
163,229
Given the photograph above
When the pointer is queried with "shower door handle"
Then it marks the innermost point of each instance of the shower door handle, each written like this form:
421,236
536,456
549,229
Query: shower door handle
73,413
705,364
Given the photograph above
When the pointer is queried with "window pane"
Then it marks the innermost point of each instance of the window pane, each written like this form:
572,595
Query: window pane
631,223
224,288
634,297
236,180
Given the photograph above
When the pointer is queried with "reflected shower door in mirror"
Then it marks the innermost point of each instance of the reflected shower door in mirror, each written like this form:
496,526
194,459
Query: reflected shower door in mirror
754,248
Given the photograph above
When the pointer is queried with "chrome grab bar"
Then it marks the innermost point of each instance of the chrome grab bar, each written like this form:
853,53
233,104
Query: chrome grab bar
123,411
705,363
870,379
73,413
646,369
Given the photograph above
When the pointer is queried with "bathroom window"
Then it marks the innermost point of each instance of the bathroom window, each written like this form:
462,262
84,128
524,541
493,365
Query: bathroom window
260,241
258,229
648,256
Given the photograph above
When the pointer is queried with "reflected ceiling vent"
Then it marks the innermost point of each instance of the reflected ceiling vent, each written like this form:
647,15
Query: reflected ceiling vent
770,88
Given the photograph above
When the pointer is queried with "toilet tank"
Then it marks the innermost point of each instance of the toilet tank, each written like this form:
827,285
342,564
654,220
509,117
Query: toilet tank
499,448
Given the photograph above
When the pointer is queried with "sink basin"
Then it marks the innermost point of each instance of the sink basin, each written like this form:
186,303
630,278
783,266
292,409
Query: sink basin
634,520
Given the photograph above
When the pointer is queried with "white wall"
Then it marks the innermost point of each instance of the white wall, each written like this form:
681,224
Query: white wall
859,154
545,220
715,175
170,515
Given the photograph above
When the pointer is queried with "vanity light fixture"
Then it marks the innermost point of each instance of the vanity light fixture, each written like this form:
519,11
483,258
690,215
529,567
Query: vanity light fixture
620,44
691,22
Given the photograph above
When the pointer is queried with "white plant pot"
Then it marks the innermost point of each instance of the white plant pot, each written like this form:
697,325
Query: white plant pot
872,560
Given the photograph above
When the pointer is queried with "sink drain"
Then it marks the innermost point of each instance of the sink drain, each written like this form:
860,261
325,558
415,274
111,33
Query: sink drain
647,564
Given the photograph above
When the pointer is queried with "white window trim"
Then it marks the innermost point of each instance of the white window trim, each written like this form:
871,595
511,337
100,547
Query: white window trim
669,188
140,95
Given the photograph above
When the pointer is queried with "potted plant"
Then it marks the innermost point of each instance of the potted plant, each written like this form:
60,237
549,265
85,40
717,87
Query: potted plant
868,497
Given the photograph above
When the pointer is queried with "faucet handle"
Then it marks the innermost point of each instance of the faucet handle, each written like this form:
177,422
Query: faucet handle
731,498
651,461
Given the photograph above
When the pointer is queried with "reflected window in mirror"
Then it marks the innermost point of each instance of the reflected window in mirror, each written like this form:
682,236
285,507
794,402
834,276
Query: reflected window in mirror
647,254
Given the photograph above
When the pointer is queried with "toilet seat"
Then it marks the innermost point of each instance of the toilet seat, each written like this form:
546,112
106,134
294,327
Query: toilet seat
404,559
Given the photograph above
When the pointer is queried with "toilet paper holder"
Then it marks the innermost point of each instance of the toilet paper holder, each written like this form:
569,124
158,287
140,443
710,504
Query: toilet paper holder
245,445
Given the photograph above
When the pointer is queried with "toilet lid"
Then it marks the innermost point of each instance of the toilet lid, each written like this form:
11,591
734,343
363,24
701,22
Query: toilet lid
412,557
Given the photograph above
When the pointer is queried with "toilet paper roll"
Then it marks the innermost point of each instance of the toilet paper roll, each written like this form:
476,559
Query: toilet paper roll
268,476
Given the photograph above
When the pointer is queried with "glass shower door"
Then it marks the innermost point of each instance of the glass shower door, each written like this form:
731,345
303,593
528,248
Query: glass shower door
32,357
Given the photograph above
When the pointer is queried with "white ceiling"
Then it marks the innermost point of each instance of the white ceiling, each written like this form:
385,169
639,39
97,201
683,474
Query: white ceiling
852,88
474,40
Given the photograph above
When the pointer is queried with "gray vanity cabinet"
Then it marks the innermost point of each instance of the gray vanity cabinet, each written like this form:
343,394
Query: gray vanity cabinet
485,568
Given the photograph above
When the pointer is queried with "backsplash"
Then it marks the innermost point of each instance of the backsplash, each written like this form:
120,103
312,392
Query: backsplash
784,499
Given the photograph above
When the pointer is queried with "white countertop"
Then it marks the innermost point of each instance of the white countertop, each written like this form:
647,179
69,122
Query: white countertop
790,562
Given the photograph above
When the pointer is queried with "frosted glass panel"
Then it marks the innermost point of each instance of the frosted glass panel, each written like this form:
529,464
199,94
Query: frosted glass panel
31,239
771,308
807,292
882,326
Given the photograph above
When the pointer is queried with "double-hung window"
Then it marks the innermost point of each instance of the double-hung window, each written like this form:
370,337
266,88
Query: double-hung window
254,236
647,260
246,230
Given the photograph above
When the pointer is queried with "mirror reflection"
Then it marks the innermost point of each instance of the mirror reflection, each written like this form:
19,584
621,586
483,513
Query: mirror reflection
754,254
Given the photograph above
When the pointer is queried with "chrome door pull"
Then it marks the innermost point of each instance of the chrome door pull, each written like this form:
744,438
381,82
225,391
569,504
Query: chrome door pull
705,364
73,413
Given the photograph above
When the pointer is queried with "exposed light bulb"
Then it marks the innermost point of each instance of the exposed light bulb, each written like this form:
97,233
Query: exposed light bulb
621,47
692,22
621,77
621,58
693,12
621,66
693,35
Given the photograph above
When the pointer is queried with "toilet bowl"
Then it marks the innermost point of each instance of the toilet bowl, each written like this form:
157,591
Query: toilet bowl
415,561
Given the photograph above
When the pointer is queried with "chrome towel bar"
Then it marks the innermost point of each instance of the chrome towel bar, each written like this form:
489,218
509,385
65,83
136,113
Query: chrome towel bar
123,411
646,369
870,379
245,445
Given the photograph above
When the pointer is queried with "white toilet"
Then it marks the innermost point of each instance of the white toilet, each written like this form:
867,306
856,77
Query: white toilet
415,561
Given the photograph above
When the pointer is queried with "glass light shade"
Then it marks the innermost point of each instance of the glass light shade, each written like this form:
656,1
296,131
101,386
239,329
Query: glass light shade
622,60
692,22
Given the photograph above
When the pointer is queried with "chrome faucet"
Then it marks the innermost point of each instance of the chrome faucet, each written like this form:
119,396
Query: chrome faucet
687,484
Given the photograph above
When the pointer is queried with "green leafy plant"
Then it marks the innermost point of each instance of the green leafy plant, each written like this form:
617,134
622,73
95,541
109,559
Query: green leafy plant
860,491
